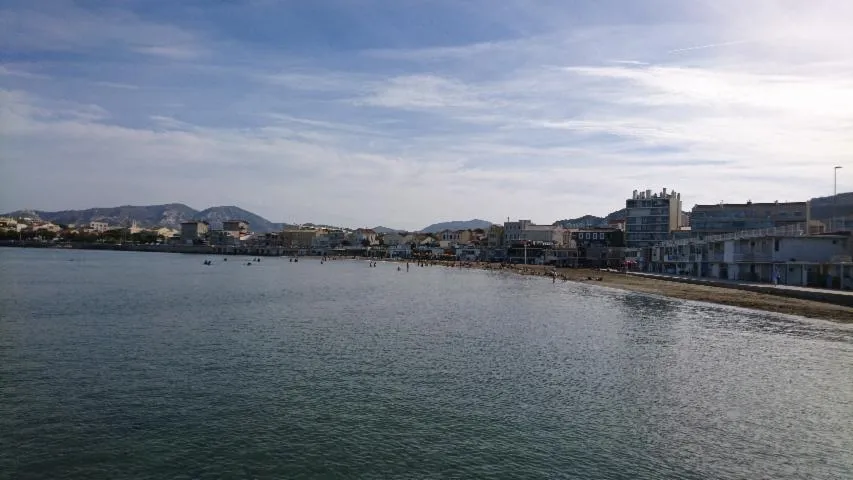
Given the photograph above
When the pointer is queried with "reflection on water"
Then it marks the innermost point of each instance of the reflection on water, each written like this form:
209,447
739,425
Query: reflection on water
155,366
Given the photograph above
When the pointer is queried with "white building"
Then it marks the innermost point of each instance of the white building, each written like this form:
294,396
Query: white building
99,227
784,254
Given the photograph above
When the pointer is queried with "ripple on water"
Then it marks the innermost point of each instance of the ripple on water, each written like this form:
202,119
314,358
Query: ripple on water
153,366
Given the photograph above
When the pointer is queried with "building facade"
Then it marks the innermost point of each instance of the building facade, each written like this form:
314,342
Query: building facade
735,217
194,231
526,231
651,217
99,227
239,226
298,238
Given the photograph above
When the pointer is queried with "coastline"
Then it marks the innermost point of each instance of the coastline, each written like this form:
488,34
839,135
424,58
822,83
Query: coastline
685,291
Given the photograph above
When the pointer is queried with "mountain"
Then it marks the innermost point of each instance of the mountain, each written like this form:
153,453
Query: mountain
381,229
216,215
169,215
457,225
592,220
826,207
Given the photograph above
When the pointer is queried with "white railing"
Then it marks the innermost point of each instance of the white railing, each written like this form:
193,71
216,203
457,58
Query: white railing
793,230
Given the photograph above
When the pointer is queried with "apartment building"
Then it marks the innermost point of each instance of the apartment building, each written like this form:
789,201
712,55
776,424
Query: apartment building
735,217
99,227
298,238
193,231
651,217
235,227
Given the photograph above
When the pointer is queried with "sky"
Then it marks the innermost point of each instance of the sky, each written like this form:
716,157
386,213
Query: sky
407,112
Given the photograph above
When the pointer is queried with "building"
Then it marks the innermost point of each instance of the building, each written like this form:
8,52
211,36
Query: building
604,237
448,238
789,255
303,238
99,227
495,237
392,239
526,231
236,228
193,231
651,217
467,253
735,217
366,236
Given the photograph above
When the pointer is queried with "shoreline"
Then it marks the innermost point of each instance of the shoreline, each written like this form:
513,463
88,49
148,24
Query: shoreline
682,291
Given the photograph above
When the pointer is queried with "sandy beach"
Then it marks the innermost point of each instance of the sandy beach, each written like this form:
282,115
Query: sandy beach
684,291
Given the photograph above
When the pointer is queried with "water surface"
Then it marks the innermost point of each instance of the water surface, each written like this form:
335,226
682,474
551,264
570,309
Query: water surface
133,365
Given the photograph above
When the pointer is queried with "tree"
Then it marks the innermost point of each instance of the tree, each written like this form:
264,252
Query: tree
365,242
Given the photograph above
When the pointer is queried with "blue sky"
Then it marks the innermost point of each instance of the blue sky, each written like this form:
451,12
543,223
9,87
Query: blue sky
406,112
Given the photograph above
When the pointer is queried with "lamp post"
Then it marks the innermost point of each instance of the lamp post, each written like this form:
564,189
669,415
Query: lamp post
834,195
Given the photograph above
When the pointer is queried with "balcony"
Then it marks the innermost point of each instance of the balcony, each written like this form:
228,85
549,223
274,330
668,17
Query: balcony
753,257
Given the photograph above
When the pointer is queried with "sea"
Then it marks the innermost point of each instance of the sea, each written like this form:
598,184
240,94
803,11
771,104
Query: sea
123,365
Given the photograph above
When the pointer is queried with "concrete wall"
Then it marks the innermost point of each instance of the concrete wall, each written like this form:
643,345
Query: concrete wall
810,249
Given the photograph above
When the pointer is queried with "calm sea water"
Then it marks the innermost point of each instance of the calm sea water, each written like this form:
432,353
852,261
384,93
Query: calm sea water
131,365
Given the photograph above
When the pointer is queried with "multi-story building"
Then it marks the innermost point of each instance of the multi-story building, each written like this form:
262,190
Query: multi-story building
495,237
735,217
299,238
365,236
236,227
603,237
194,231
787,254
526,231
99,227
455,237
651,217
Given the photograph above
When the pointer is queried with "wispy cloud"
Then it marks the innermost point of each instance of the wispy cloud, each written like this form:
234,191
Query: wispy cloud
522,110
710,45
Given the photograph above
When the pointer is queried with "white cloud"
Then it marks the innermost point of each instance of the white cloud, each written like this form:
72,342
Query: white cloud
559,123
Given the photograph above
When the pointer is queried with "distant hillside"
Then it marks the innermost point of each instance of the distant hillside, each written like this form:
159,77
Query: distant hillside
824,207
216,215
169,215
457,225
592,220
381,229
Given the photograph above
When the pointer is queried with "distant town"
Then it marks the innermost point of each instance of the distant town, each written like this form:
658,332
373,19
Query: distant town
777,242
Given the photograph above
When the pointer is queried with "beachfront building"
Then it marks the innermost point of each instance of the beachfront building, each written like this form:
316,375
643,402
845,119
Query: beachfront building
236,228
400,251
651,217
454,237
364,236
301,238
735,217
193,231
467,253
526,231
495,237
788,255
392,239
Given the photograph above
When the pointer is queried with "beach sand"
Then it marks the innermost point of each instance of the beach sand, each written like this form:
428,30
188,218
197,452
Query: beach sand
686,291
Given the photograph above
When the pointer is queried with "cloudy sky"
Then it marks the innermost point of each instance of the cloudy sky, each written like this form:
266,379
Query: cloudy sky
406,112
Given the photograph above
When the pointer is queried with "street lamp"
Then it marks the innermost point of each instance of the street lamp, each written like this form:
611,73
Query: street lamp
834,195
